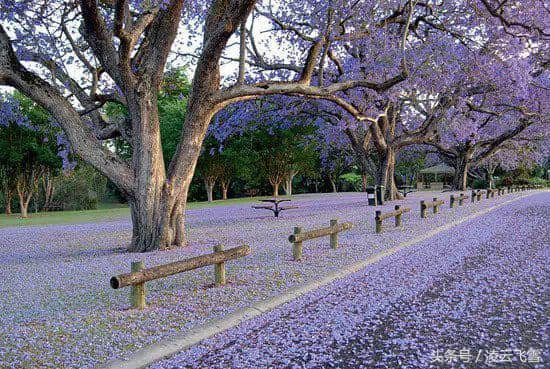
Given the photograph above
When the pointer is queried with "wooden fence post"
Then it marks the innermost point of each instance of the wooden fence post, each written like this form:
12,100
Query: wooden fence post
398,222
137,294
219,269
334,236
436,210
479,194
422,209
378,221
297,246
473,196
452,201
488,194
460,200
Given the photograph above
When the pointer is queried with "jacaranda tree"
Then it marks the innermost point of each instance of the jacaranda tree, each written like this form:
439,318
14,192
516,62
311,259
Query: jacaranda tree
72,57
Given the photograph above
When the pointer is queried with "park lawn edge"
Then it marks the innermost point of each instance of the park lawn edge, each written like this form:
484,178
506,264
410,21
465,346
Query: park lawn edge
107,214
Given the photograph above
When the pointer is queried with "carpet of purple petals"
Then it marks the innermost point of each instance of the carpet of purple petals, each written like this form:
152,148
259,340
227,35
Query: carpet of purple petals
57,309
489,293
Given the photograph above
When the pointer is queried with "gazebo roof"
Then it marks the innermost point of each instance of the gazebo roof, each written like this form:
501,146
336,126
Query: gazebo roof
438,169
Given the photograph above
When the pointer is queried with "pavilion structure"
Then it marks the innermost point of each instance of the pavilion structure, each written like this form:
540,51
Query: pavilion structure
437,177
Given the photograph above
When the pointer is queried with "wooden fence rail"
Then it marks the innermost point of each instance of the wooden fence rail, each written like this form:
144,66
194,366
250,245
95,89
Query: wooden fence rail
460,200
424,205
298,237
139,274
397,213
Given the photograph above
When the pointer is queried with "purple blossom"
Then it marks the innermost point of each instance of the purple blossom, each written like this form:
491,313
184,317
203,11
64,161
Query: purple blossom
63,313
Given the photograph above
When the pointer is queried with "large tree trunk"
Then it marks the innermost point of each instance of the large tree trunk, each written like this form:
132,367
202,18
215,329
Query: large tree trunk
364,182
163,233
47,183
164,227
385,175
153,202
8,197
26,184
209,185
225,187
287,185
333,184
275,186
490,177
24,201
24,209
462,165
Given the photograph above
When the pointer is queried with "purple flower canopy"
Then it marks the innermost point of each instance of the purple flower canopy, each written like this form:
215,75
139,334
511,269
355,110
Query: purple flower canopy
451,47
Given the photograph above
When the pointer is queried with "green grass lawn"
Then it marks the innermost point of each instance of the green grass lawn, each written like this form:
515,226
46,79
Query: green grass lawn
104,212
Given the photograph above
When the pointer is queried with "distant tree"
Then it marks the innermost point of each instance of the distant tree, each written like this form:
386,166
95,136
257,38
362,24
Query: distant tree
209,167
280,154
409,162
335,160
229,160
28,148
7,184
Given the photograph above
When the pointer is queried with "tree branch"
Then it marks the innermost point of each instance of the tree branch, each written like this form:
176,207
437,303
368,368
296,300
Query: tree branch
85,144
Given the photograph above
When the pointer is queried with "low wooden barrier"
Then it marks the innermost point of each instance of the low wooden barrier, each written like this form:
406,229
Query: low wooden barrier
397,213
454,199
298,237
139,274
424,205
490,192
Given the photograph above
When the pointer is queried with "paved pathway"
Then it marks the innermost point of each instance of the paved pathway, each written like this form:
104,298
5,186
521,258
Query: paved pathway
473,297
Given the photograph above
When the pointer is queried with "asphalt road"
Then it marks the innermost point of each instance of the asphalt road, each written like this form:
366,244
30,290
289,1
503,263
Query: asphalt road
475,296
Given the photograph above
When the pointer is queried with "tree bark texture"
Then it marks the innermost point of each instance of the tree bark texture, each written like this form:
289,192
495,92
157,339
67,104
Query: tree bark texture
460,177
